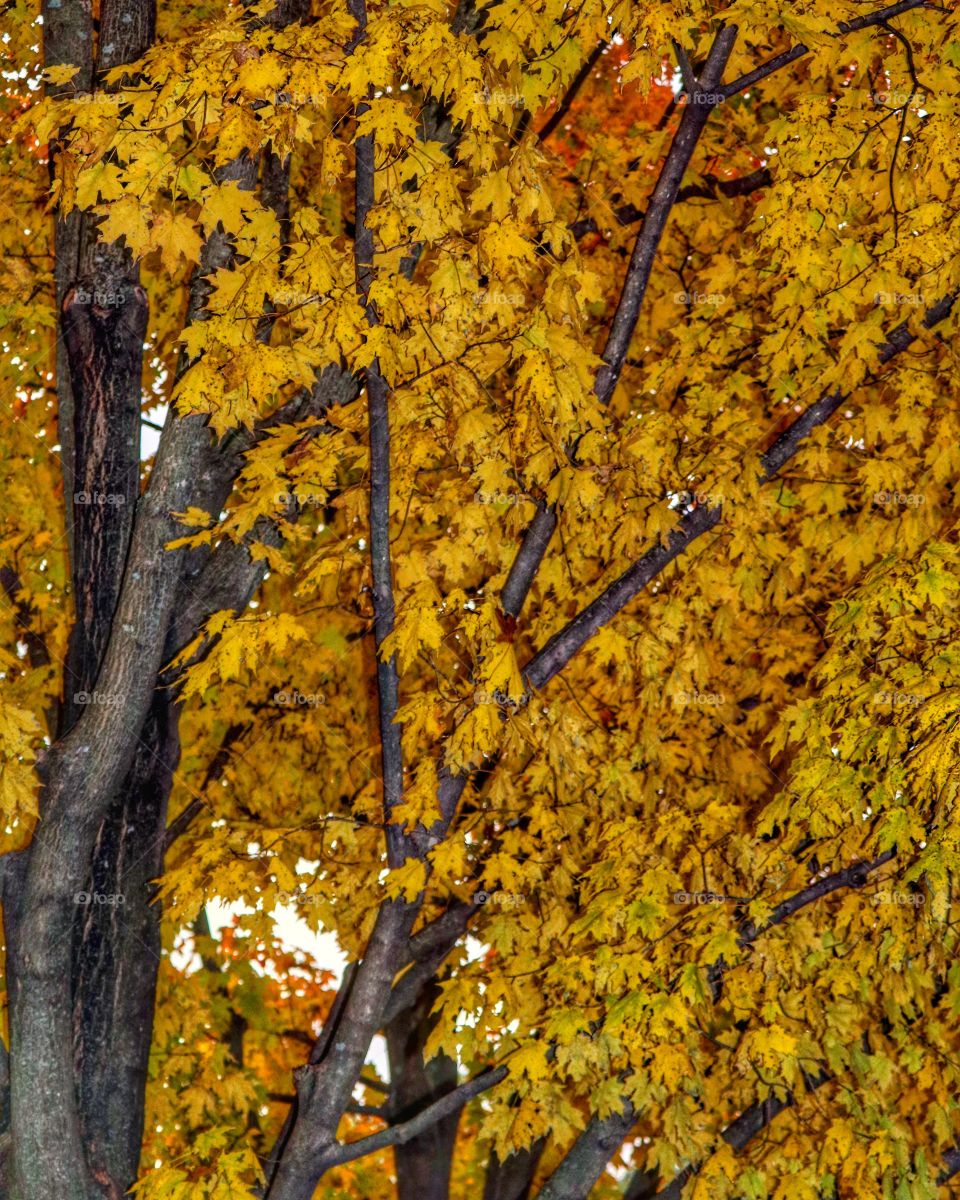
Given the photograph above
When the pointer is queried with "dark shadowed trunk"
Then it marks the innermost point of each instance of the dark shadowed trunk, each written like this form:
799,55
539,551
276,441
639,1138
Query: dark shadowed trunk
512,1177
118,956
104,322
423,1163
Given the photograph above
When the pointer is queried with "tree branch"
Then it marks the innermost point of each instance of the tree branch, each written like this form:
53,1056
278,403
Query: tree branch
692,124
511,1178
80,786
388,685
694,120
951,1165
528,559
799,51
38,655
586,1160
571,93
737,1134
214,773
749,1123
560,649
854,876
319,1048
664,196
399,1134
408,988
324,1088
627,214
442,932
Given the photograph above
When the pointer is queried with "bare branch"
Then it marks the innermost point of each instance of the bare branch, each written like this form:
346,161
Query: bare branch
319,1048
443,932
686,69
854,876
38,654
80,787
214,773
528,559
399,1134
749,1123
664,197
511,1178
408,988
951,1165
709,187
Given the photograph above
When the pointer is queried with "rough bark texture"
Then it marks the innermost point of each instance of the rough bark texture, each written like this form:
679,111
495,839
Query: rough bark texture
104,324
67,39
119,954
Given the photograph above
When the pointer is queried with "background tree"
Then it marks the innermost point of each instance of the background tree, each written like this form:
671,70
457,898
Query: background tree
545,581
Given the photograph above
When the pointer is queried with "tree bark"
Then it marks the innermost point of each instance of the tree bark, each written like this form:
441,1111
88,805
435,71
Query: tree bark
104,325
511,1178
423,1163
118,955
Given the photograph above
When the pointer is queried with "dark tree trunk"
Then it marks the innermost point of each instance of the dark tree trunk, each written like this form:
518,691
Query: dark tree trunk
423,1164
643,1186
118,954
104,324
511,1178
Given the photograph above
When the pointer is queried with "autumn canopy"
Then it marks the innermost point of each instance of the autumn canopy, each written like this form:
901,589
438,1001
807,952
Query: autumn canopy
480,609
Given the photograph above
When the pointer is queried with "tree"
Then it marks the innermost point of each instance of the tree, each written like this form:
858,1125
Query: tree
545,581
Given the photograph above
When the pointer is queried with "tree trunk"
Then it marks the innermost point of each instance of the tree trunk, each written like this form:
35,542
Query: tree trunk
512,1178
424,1163
117,956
